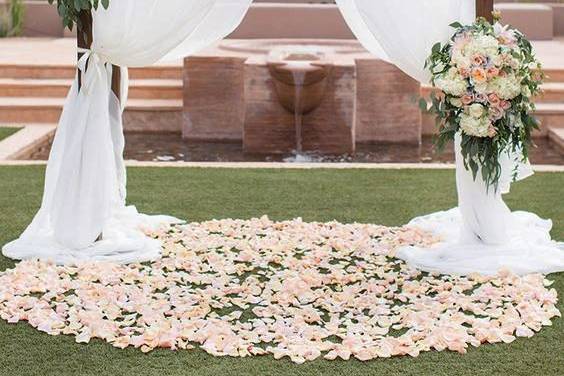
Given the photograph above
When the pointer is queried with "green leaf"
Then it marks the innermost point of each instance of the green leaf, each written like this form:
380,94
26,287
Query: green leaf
456,25
423,105
69,10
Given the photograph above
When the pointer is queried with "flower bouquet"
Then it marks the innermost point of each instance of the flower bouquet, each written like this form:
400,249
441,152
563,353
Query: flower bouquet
488,75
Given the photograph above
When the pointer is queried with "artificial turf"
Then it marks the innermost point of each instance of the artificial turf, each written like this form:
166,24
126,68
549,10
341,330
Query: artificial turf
6,132
386,197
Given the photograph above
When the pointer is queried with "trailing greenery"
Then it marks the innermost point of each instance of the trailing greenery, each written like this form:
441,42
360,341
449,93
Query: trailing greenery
69,10
198,194
489,76
11,19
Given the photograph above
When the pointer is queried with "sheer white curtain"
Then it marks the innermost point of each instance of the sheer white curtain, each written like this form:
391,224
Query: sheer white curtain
481,235
85,180
404,31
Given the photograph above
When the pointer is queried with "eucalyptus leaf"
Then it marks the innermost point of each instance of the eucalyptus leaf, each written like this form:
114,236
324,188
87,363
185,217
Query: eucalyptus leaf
69,10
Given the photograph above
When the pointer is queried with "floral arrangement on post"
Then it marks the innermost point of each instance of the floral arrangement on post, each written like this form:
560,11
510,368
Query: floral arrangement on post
488,75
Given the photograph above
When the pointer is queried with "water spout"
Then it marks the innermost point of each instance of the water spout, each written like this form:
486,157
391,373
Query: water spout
300,80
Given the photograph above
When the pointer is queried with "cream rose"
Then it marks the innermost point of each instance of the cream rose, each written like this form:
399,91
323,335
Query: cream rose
456,102
467,99
476,110
496,113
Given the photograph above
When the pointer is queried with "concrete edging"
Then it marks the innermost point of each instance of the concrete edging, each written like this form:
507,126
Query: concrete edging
289,166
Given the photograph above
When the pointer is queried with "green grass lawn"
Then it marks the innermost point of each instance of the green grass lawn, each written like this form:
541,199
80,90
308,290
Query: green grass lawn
377,196
6,132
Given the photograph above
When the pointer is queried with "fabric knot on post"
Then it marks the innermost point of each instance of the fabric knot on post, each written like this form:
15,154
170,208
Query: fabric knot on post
92,66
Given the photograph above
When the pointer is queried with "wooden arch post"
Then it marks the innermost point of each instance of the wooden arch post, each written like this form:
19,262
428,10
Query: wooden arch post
84,40
484,8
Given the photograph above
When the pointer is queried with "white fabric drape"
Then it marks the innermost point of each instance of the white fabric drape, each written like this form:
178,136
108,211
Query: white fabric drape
85,180
404,31
481,235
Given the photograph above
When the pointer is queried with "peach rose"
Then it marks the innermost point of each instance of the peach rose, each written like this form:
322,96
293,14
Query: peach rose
464,72
479,75
492,72
496,113
505,105
494,99
467,99
492,131
478,59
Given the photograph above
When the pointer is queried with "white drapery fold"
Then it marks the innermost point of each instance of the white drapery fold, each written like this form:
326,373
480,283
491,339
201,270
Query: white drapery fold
85,182
481,235
404,31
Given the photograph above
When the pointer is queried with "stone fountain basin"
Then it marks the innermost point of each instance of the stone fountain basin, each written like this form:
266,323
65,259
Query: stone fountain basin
246,90
300,76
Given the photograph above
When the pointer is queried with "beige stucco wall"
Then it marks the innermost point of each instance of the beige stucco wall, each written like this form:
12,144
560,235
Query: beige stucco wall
276,20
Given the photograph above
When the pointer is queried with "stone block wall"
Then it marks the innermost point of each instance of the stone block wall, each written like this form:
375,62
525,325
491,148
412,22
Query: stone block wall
386,107
214,107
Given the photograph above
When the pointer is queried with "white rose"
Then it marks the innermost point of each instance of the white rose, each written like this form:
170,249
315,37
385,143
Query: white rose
476,110
456,102
526,91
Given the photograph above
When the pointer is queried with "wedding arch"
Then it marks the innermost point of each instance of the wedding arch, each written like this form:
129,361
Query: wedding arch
84,216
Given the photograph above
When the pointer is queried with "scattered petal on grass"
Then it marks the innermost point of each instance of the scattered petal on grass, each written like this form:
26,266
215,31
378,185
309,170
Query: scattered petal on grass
289,289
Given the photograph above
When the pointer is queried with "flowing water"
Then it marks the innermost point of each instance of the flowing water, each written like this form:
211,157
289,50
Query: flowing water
299,79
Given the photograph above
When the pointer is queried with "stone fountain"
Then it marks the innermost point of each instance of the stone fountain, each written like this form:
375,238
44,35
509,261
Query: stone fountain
300,77
294,96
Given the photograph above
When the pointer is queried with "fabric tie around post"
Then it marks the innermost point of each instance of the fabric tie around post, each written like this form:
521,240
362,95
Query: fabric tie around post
96,64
